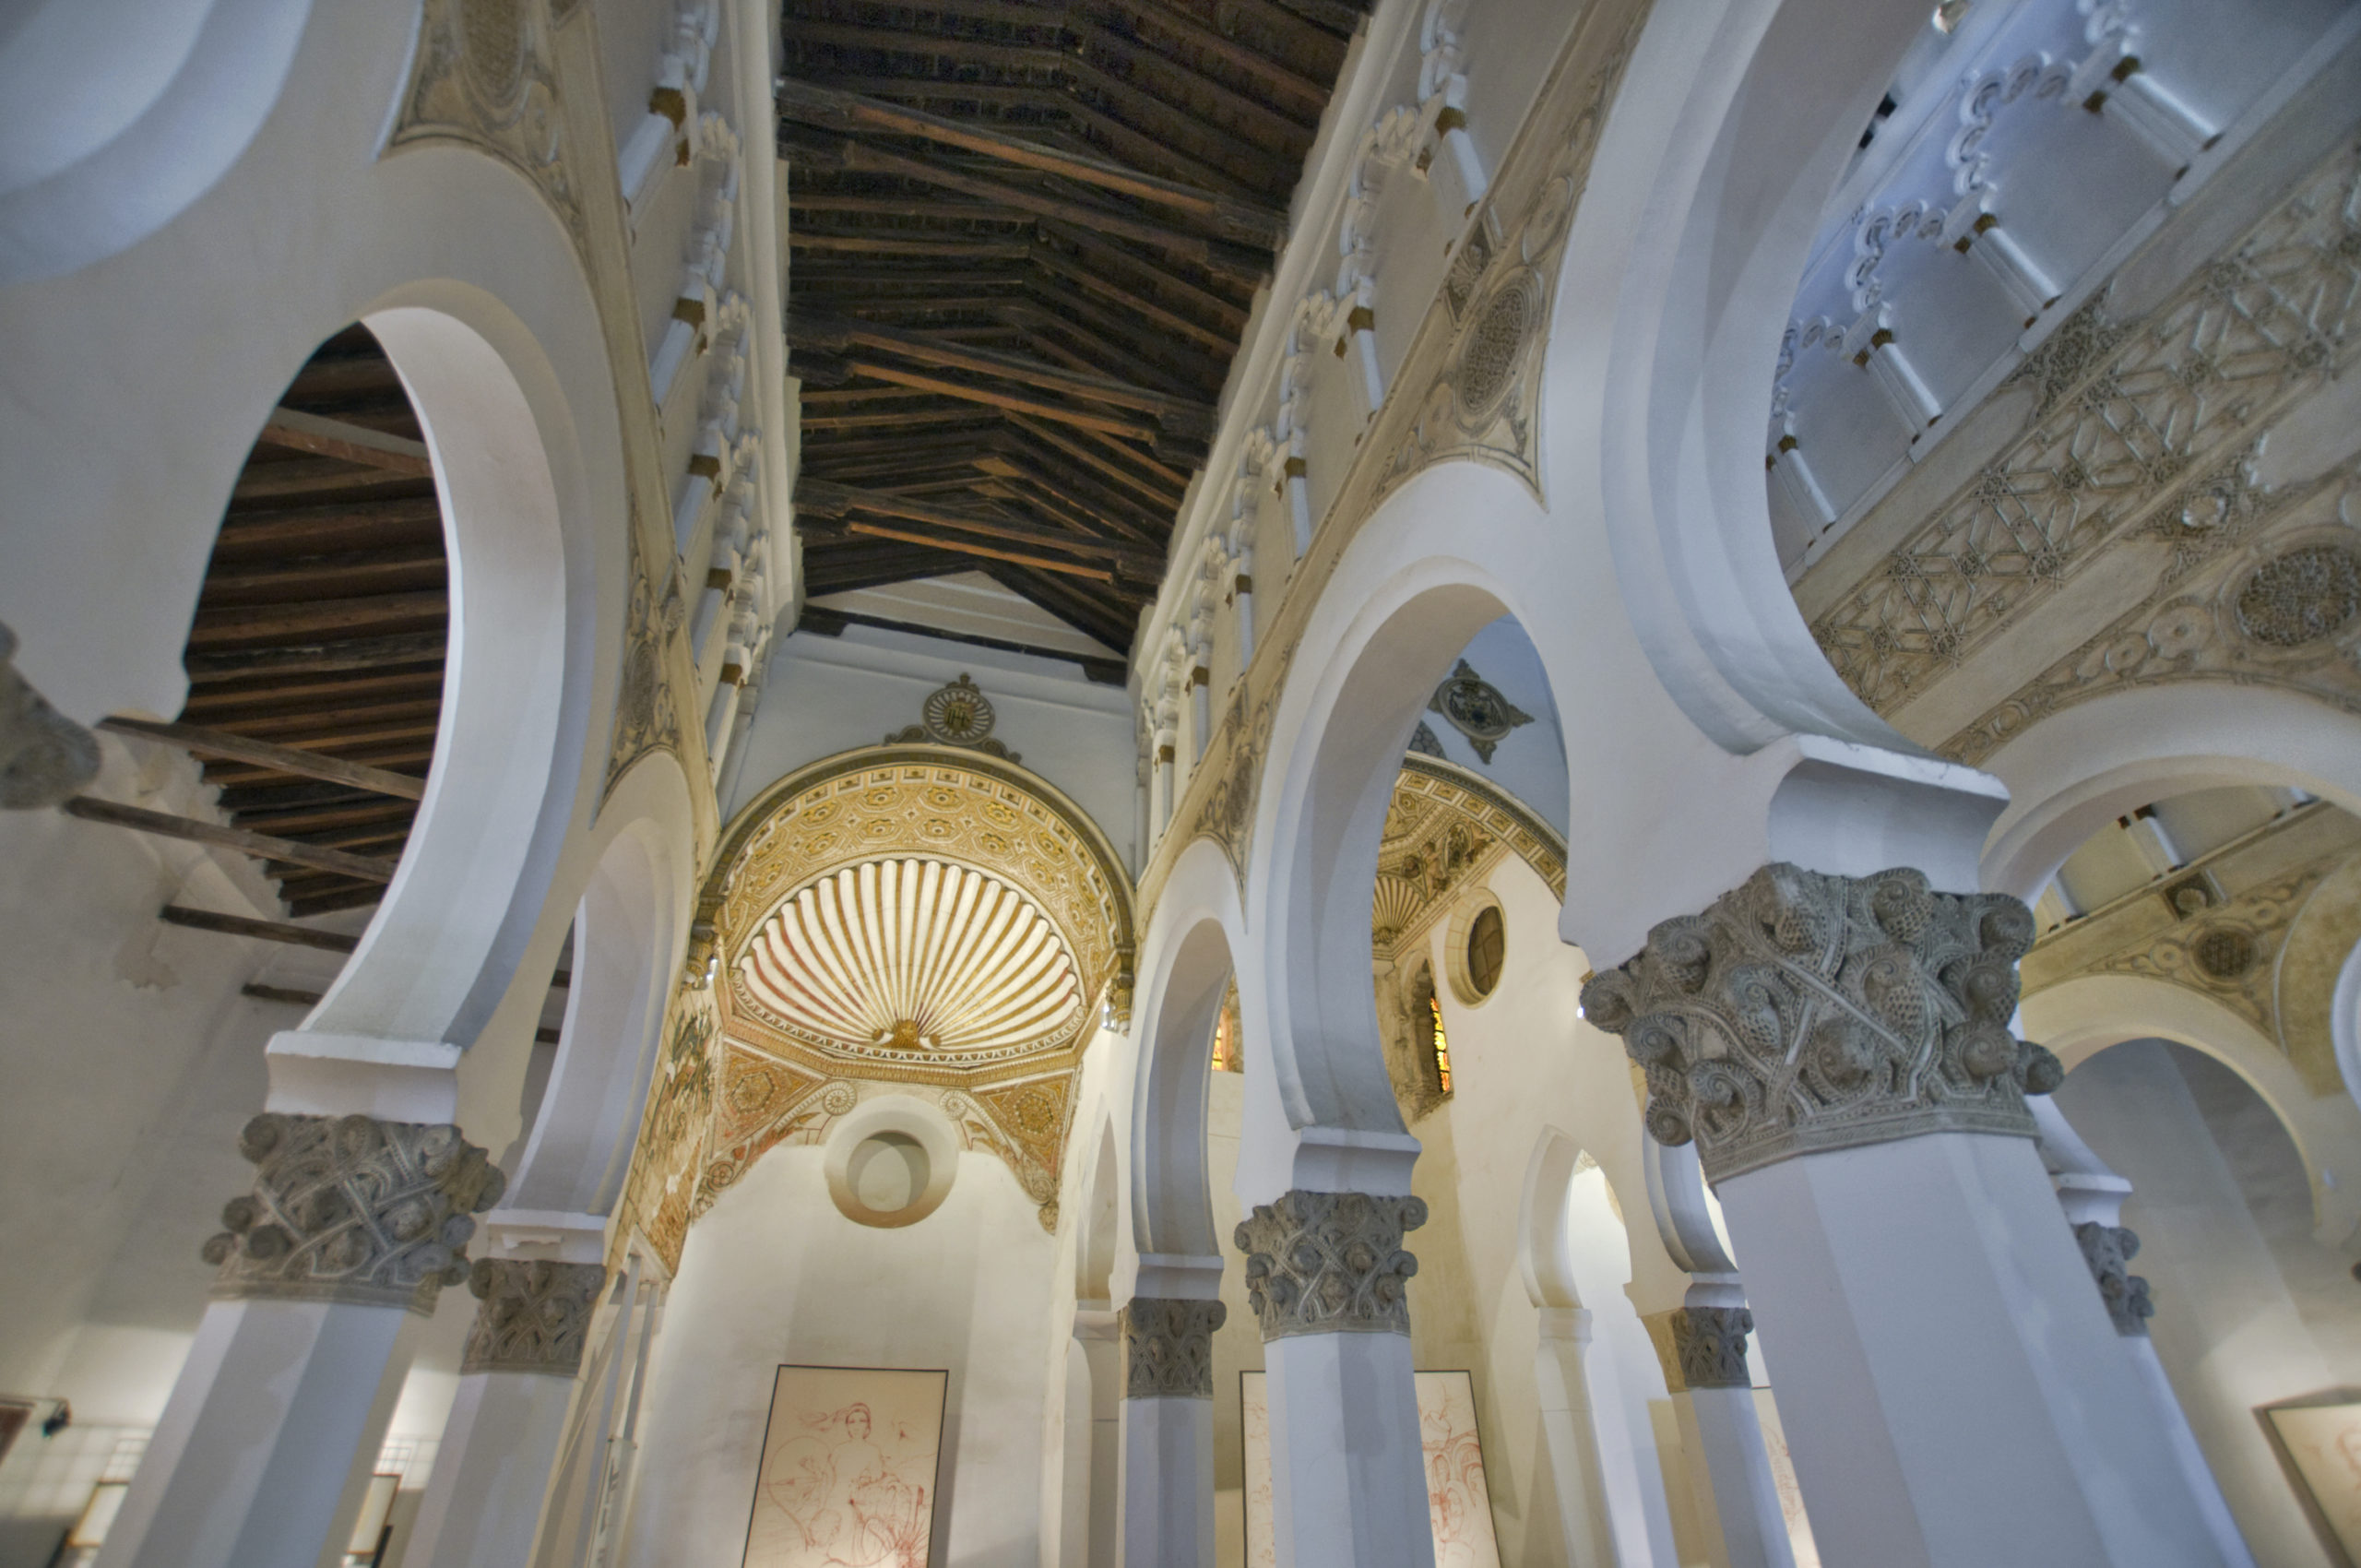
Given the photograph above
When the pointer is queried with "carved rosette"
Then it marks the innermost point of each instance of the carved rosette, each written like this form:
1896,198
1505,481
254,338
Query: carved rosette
2109,1249
1804,1011
1710,1343
1330,1263
1169,1348
353,1209
535,1317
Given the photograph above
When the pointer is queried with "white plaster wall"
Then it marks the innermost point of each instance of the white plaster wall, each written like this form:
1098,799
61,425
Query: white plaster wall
2251,1310
774,1275
824,695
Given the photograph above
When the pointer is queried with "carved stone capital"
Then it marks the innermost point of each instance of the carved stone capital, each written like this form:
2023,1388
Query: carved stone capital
1169,1348
2109,1249
1804,1011
1710,1345
535,1317
349,1208
1330,1263
44,756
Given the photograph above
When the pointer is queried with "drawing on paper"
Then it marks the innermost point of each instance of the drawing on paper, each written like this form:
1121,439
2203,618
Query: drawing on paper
2324,1441
848,1476
1459,1507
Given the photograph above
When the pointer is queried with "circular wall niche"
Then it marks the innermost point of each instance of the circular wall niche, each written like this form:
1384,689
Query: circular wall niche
891,1161
1475,947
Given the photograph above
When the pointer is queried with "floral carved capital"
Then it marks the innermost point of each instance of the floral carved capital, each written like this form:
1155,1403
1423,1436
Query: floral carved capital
2108,1249
1710,1343
353,1209
1330,1263
1169,1348
1804,1011
535,1316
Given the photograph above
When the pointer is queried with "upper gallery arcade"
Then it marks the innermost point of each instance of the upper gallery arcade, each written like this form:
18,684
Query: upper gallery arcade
1181,784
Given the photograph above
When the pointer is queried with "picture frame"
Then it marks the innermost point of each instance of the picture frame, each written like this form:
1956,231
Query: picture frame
850,1468
2317,1438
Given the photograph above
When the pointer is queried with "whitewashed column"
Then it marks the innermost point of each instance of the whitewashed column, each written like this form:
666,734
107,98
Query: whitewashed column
516,1379
328,1269
1326,1273
1838,1048
1570,1426
1168,1432
1729,1464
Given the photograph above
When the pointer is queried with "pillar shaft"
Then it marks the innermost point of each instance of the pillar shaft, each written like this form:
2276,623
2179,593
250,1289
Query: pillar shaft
327,1269
1167,1440
1326,1273
1839,1049
1702,1349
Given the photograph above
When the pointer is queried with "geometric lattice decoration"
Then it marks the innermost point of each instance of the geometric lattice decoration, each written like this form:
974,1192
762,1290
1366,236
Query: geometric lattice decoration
907,960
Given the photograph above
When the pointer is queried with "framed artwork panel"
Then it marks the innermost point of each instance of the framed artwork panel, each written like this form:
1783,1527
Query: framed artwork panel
849,1468
1459,1505
2321,1442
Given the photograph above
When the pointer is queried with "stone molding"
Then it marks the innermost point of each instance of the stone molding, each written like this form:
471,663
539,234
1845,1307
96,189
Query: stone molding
2108,1249
1169,1348
1710,1345
1803,1011
351,1209
1330,1263
535,1316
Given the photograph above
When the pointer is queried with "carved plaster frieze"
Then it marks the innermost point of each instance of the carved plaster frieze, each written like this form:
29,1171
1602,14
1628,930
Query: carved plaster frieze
353,1209
2252,587
1330,1263
1445,828
1803,1011
485,76
648,707
661,1190
2108,1249
956,715
44,756
1483,402
1169,1348
535,1316
2131,433
1242,750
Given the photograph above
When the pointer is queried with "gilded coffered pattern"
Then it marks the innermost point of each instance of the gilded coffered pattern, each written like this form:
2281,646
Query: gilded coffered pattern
484,76
914,920
2261,926
2136,435
1445,828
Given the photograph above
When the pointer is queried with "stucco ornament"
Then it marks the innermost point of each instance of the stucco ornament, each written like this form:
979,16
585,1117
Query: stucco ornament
1476,709
956,715
1804,1011
1711,1344
535,1317
1330,1263
485,76
353,1209
2109,1249
1169,1348
44,756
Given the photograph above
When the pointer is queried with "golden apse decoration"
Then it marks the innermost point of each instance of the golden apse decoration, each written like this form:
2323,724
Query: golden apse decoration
913,918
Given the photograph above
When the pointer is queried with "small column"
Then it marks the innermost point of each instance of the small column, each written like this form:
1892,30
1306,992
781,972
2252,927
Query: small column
1360,342
328,1268
1327,1276
1838,1048
1295,484
1168,1432
1702,1349
1201,699
1569,1426
2093,1197
492,1472
1242,598
1167,745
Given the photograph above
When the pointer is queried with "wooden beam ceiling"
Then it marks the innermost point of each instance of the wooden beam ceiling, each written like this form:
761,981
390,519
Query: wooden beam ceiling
1028,238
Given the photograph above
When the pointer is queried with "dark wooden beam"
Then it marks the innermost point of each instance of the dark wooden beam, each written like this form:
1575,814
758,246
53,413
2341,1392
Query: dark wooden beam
837,500
842,335
347,442
995,397
260,846
1233,219
324,658
804,239
268,931
282,759
1089,282
278,621
1160,489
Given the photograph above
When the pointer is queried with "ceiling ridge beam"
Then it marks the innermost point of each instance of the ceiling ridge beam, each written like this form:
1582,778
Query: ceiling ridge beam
839,334
837,500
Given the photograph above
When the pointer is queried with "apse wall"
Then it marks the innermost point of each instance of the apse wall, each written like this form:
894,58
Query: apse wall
775,1275
822,695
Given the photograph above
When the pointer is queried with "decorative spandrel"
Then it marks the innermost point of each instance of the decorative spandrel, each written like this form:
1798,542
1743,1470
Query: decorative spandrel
956,715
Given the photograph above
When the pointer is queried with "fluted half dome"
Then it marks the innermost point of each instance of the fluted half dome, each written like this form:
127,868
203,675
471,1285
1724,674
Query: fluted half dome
914,960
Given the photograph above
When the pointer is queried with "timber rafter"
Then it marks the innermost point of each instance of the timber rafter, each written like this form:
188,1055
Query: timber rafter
1028,238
